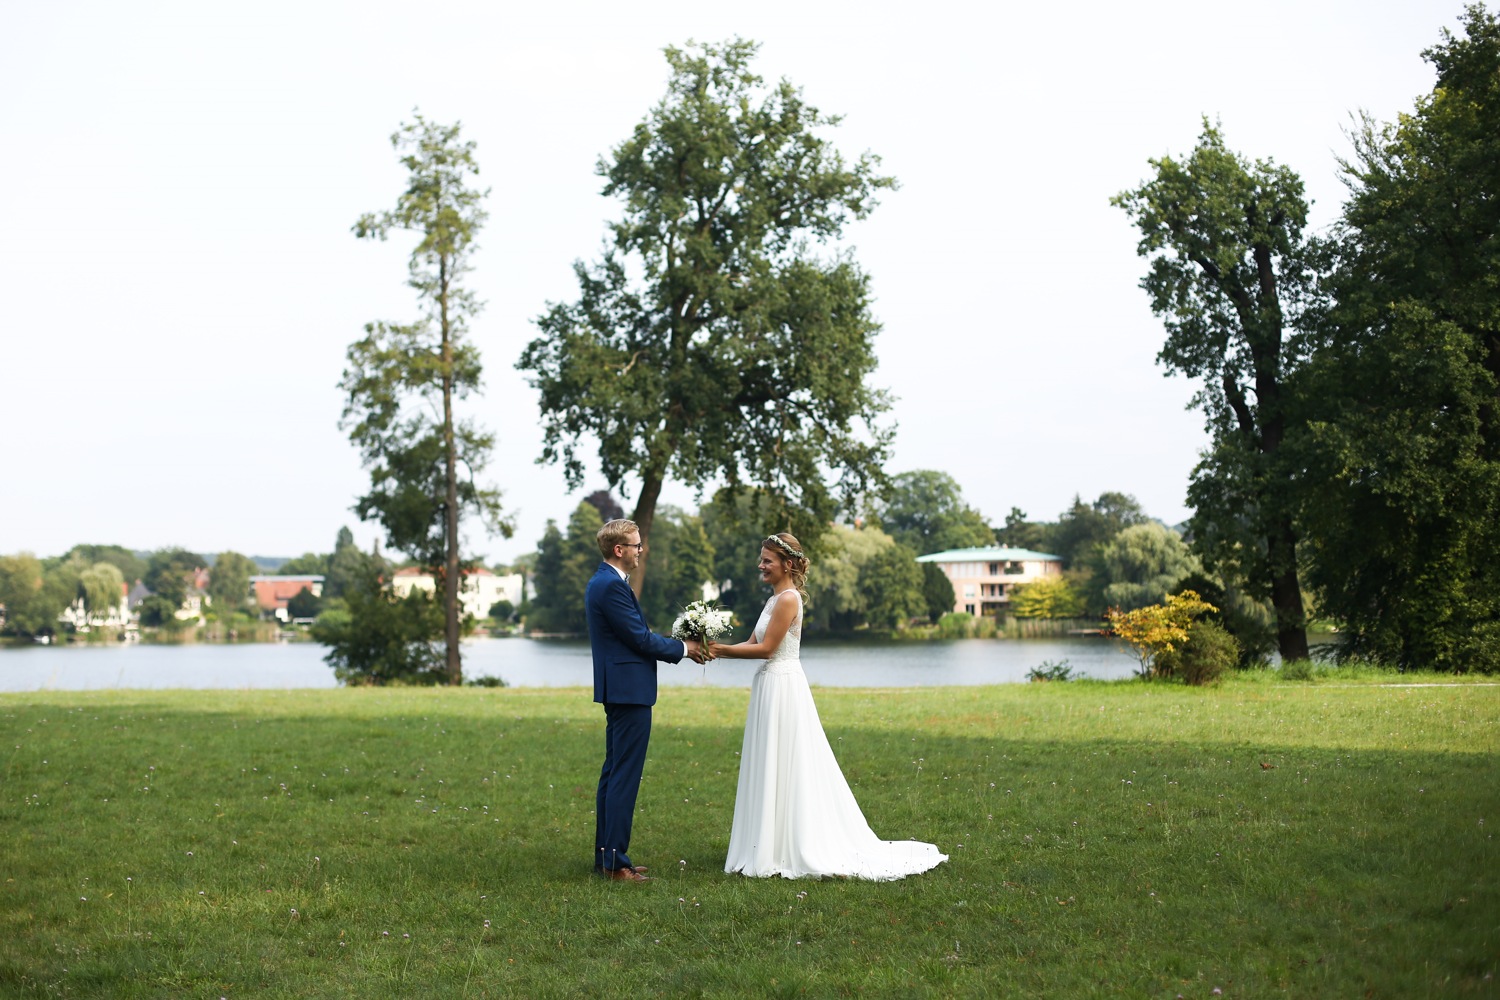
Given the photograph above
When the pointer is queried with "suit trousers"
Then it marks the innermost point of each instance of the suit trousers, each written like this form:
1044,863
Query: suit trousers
627,730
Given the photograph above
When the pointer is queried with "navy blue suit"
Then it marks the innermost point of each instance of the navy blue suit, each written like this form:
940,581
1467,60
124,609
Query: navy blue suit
625,655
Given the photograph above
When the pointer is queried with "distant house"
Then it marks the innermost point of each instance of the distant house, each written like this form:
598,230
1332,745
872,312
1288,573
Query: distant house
481,589
984,578
138,593
273,592
197,597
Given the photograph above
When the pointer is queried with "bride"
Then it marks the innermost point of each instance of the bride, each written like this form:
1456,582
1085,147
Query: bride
794,814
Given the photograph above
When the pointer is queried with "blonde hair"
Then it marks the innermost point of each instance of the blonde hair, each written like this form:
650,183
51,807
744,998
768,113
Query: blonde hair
614,533
786,547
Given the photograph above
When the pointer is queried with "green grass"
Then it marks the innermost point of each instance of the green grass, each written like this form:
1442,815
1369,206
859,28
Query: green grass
1107,840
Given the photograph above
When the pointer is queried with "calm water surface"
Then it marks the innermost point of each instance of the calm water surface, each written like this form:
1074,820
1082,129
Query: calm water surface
552,663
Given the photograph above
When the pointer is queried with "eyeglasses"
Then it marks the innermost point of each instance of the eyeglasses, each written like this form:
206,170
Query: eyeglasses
638,546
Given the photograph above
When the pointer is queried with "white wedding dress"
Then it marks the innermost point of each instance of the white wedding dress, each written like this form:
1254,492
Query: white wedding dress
794,814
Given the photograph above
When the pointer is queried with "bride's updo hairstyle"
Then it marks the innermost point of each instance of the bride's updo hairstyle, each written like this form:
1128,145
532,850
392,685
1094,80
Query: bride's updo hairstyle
786,546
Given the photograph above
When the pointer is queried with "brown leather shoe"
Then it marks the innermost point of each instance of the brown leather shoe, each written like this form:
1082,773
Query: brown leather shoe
626,875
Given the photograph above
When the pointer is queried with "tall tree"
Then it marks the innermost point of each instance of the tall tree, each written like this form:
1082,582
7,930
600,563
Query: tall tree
563,567
925,511
1403,475
31,608
1021,533
1231,274
229,581
346,567
170,573
1085,527
403,380
711,341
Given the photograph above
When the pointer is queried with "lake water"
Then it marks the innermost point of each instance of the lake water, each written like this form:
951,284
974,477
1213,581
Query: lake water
552,663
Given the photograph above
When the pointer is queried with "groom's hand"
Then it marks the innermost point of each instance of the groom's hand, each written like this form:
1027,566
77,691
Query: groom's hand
695,650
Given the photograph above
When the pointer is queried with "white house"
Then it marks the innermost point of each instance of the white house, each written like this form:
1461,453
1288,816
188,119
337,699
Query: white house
984,578
480,590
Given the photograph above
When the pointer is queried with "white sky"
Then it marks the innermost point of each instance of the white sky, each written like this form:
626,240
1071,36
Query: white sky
178,282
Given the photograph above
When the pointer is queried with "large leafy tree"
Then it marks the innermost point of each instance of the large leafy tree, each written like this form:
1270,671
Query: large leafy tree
1403,498
31,606
925,511
229,581
347,566
715,338
403,380
170,574
1231,274
1084,528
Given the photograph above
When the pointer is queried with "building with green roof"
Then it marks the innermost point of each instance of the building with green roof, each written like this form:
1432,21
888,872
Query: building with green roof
984,578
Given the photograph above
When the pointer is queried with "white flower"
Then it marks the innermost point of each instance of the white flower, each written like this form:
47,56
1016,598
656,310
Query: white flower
702,620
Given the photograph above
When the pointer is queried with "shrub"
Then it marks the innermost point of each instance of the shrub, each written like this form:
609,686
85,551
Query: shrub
1297,670
954,625
957,625
486,682
1047,670
1209,653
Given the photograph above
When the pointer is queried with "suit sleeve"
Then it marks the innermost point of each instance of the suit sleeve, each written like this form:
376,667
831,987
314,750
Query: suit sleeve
629,625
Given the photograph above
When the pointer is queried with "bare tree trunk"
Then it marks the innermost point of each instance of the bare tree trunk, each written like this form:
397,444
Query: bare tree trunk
451,579
1286,593
645,514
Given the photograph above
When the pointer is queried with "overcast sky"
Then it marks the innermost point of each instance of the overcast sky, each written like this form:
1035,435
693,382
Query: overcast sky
178,282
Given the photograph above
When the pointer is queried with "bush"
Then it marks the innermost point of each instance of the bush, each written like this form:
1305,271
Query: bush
381,639
158,612
954,625
486,682
1297,670
1047,670
1209,653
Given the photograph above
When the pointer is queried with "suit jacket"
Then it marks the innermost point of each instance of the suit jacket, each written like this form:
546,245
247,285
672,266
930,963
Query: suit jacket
625,650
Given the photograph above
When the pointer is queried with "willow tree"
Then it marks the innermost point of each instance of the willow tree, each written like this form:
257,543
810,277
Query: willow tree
721,335
1230,272
403,381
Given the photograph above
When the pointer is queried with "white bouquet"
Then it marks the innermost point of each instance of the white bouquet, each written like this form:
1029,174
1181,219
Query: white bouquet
702,621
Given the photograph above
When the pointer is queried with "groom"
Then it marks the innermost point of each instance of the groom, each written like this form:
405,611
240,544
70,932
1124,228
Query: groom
625,655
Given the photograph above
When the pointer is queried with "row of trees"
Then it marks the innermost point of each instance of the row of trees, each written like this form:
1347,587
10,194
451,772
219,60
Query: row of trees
866,572
35,592
1350,381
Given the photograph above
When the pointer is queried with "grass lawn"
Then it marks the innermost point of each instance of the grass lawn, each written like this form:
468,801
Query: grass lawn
1263,838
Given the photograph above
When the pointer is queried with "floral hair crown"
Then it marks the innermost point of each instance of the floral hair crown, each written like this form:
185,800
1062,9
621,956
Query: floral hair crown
776,541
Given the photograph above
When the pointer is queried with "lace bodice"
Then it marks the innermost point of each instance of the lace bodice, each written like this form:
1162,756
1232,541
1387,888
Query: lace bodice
789,653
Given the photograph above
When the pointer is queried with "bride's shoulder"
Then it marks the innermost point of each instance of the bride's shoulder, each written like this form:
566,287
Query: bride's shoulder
796,597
